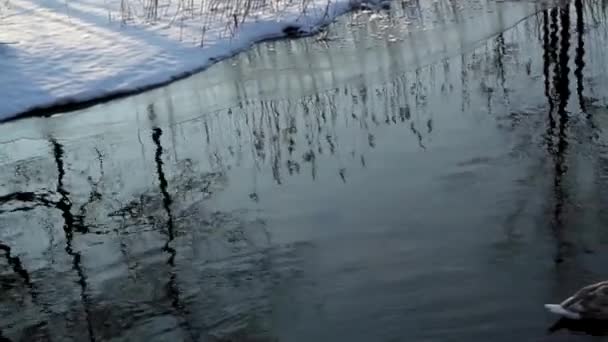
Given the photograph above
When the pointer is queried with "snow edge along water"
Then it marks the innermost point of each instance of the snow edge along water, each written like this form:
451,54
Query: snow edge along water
250,33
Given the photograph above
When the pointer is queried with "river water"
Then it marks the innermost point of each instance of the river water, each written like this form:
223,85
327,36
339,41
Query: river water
433,172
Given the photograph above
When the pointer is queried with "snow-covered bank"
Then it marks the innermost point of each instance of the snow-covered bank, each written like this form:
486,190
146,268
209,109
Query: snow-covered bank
66,51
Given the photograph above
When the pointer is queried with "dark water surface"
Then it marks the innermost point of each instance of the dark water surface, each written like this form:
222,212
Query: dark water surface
433,173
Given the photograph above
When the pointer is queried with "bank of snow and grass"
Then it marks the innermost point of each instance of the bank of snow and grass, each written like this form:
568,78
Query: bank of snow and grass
58,52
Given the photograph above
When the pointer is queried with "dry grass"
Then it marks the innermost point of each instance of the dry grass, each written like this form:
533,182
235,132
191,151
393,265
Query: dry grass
197,21
203,16
234,12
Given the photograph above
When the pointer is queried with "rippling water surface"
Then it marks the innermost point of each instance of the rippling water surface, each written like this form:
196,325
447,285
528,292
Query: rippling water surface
436,172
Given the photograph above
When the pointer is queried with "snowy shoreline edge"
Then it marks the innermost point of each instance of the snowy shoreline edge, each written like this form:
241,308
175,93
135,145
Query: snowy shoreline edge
294,29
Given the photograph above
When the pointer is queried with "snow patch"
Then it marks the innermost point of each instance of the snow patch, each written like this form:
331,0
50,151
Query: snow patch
69,51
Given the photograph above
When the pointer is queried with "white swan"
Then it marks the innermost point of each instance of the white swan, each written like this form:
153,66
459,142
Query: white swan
590,302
